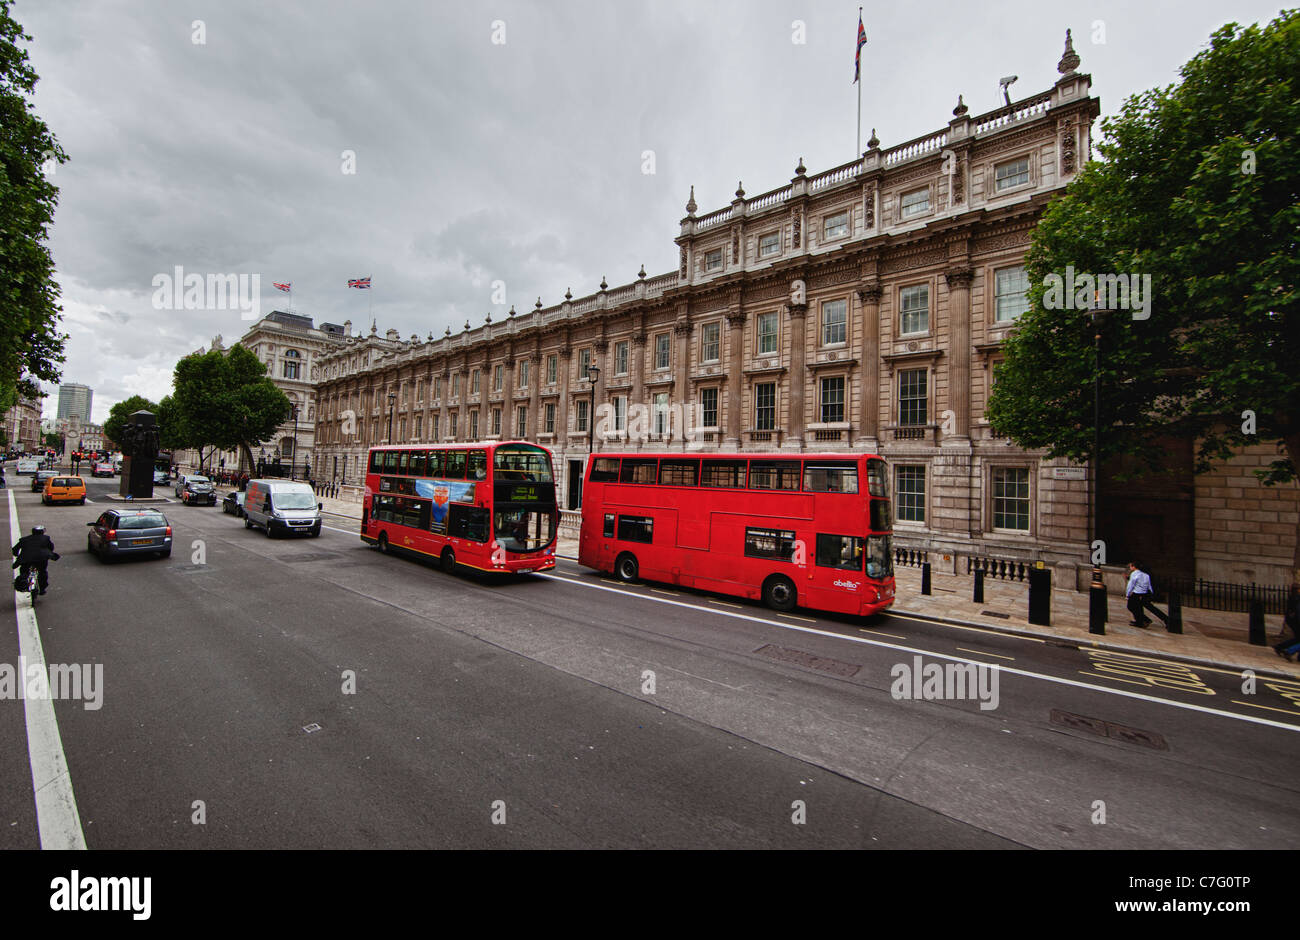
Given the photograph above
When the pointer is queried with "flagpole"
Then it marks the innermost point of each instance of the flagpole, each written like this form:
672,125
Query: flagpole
857,154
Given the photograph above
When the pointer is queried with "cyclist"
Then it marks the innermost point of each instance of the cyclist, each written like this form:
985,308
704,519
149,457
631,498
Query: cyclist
34,551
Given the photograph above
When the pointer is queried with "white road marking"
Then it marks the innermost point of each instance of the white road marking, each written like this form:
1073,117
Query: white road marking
1005,670
57,818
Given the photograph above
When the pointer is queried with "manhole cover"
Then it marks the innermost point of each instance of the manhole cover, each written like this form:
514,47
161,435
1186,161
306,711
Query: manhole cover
1109,729
810,660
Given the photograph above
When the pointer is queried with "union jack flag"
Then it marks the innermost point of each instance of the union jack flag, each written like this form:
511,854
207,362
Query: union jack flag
857,56
283,287
361,282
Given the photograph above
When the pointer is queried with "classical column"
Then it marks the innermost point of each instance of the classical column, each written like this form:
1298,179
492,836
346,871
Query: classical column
637,365
869,420
959,280
797,314
443,394
562,419
600,359
736,348
508,428
534,391
462,416
682,331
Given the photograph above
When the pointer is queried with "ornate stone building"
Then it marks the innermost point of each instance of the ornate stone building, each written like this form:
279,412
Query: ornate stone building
858,309
23,425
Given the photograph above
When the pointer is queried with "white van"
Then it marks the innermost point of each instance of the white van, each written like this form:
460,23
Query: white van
282,507
27,466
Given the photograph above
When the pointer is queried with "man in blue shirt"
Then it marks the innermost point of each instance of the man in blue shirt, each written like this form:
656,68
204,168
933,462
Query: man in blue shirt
1139,597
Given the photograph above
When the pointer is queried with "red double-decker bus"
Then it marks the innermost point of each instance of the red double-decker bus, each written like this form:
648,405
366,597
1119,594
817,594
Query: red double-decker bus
791,530
489,506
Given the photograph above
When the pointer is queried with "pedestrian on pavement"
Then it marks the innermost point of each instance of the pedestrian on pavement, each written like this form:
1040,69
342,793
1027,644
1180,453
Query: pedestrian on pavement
3,485
1291,621
1139,593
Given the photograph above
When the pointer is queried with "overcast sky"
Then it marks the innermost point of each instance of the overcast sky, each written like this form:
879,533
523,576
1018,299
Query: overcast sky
478,159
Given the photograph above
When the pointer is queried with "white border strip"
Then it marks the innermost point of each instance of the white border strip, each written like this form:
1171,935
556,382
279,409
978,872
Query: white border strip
1005,670
56,807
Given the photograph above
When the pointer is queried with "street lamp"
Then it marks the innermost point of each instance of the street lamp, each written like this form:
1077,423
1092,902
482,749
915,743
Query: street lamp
392,400
593,376
293,461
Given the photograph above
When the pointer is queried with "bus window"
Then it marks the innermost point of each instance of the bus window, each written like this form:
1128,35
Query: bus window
433,466
840,551
679,472
881,520
729,474
454,466
609,525
605,470
415,463
376,461
477,465
825,477
774,544
636,529
522,462
523,530
468,522
774,474
403,460
876,477
880,559
638,471
390,461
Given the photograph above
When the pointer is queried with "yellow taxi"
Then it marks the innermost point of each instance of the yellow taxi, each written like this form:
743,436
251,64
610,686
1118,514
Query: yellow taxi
64,490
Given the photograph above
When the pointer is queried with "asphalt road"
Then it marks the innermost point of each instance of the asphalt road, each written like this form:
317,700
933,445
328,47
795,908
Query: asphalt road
531,700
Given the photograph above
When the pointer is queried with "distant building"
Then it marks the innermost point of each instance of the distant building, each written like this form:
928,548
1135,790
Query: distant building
22,425
75,400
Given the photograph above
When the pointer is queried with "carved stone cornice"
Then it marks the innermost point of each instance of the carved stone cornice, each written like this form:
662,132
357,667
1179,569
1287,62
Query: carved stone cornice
736,318
870,293
796,311
683,328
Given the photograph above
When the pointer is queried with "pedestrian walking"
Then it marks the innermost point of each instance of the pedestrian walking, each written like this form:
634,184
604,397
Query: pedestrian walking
1139,592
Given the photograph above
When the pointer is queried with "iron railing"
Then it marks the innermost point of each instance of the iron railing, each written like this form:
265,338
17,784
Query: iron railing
1220,595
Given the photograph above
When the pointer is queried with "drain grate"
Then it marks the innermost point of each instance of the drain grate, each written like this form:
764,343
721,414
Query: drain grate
810,660
308,556
1109,729
189,569
994,613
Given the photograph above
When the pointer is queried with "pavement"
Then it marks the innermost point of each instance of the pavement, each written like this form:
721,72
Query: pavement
1209,637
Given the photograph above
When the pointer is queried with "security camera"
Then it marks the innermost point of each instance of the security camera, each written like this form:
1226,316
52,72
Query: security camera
1006,82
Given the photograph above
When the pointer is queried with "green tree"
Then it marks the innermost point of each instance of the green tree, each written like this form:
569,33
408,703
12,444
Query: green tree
31,346
119,413
1199,189
222,399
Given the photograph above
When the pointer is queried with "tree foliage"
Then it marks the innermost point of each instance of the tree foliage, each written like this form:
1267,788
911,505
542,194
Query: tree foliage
31,346
1200,189
119,413
221,400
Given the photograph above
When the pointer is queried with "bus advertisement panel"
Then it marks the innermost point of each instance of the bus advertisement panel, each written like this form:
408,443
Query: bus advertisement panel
487,506
810,530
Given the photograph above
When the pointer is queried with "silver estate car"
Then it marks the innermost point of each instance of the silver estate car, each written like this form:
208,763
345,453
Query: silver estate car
129,532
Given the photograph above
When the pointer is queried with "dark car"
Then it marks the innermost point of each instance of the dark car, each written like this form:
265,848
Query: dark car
38,480
196,491
129,532
233,503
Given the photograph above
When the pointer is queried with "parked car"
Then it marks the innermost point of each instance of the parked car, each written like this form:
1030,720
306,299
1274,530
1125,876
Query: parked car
196,490
282,507
64,489
38,481
101,468
233,503
129,532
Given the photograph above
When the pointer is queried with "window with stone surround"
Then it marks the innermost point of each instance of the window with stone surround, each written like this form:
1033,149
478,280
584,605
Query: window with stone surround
548,423
768,324
663,351
914,309
523,373
620,358
580,415
713,260
496,422
913,400
1010,495
473,424
832,399
914,203
909,492
1011,297
835,226
473,382
552,368
709,407
1011,174
835,321
769,245
584,363
521,420
498,376
765,406
711,342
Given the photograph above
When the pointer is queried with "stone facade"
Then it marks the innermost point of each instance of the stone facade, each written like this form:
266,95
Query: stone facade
23,425
861,309
1245,531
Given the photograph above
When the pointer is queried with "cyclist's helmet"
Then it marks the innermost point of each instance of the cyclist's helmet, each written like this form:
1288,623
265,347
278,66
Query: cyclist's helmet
38,530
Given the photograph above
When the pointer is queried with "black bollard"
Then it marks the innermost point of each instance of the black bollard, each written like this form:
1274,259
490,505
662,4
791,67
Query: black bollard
1175,624
1257,623
1040,596
1098,606
925,578
979,586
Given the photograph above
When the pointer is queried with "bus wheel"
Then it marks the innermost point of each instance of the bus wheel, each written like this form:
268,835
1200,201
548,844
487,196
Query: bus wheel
448,560
779,593
383,542
626,567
